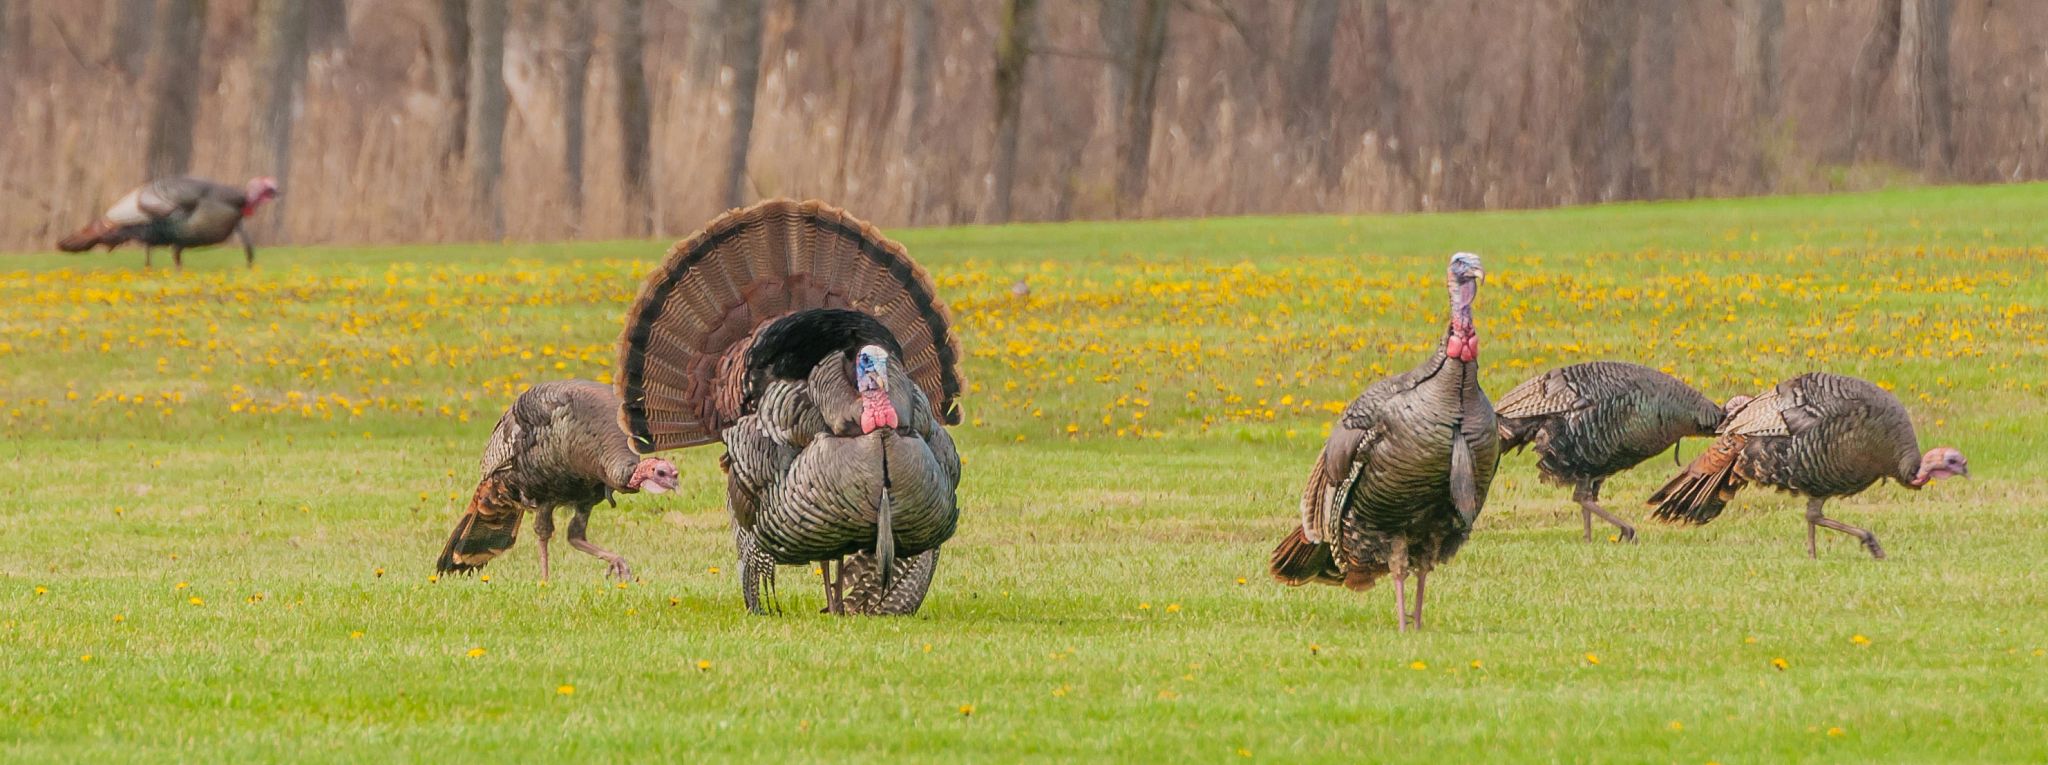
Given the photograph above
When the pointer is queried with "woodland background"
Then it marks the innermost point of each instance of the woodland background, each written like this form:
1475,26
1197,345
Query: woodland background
432,120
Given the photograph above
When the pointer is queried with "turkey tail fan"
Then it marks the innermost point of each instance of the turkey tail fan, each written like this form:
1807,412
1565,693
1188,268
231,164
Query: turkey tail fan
1698,494
93,235
683,359
1298,561
486,530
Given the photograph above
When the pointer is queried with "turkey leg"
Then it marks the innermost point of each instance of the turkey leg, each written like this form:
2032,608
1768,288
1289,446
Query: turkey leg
1815,520
178,258
1401,601
1587,494
1421,580
148,257
834,572
543,528
576,540
248,249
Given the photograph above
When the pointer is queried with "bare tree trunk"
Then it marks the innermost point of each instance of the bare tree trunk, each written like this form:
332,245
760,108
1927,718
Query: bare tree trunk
134,26
174,86
1307,82
1934,97
326,25
1386,102
1654,95
1866,81
1134,147
705,39
576,33
743,50
451,77
1117,27
628,38
1759,33
1603,143
919,58
281,39
1013,55
487,111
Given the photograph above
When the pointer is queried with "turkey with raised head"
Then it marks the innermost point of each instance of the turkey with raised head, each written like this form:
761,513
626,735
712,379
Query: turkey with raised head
1405,471
818,352
558,446
1590,421
1818,435
179,213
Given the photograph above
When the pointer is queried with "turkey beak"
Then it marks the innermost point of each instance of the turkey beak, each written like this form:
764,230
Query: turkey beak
1479,275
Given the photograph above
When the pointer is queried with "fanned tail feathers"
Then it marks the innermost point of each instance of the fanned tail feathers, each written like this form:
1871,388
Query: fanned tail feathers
1698,494
486,530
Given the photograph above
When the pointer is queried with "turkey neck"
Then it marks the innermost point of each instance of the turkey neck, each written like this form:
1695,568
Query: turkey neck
616,462
1460,338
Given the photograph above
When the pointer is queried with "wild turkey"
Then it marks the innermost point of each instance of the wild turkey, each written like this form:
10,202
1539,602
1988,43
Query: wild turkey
558,446
818,352
1590,421
1405,472
1819,435
178,213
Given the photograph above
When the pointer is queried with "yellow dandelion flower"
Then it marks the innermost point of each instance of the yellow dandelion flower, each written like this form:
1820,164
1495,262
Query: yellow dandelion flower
477,652
703,665
621,585
356,635
432,578
42,590
1418,665
1314,649
966,710
1144,606
714,570
118,618
565,689
1781,664
87,657
1593,658
182,585
1243,752
1836,733
674,601
1240,580
1859,640
195,600
1751,640
1676,726
1173,608
380,571
1477,664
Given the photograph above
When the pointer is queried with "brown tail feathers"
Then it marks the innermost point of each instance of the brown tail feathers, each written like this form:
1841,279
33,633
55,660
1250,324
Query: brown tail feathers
1699,493
486,530
97,233
1298,561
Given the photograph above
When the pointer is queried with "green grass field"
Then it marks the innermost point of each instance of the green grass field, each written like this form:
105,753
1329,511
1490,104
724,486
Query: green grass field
221,494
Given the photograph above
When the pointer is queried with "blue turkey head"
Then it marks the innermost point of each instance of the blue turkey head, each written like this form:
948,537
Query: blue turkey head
871,369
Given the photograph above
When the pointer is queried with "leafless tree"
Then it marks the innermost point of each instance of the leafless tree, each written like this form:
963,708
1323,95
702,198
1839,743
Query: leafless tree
174,87
1311,40
451,76
1866,81
743,55
133,35
1013,56
1933,97
1760,31
1604,140
576,33
635,164
1134,146
281,36
487,111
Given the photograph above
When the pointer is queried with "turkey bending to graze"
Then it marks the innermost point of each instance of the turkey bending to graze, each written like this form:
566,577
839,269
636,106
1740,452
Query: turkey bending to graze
559,445
1590,421
1818,435
178,213
1405,472
818,352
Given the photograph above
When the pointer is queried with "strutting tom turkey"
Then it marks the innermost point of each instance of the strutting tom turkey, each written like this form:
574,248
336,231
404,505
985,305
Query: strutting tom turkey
821,356
1405,472
1590,421
558,446
1818,435
179,213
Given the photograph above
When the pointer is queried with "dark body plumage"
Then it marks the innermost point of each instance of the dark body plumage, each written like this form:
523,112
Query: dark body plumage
1401,480
1590,421
752,335
1819,435
559,445
179,213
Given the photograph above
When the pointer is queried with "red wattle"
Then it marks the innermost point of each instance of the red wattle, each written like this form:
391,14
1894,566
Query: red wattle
876,411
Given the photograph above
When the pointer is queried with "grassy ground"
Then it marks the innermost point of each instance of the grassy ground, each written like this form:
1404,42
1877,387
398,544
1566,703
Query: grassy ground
221,493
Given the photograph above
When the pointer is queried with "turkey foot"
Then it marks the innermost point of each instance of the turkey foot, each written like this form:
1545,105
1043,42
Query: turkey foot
1588,497
617,568
1814,521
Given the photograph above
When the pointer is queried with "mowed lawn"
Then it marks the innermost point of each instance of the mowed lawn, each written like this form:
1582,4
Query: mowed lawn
221,494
